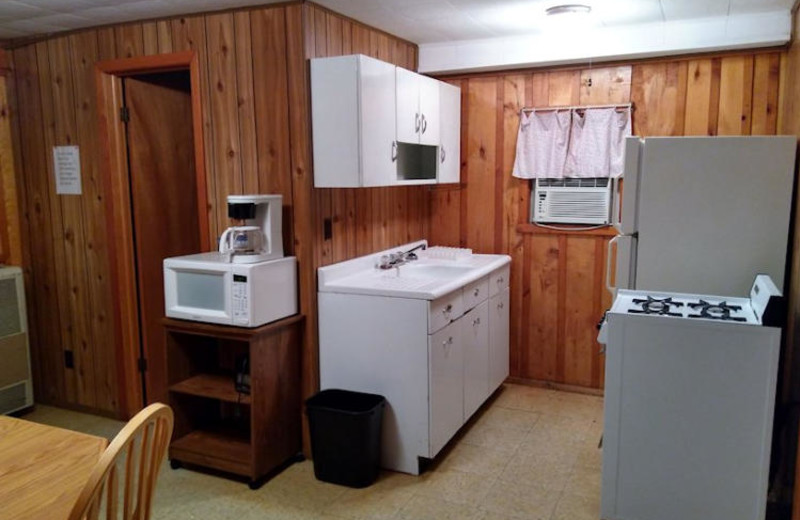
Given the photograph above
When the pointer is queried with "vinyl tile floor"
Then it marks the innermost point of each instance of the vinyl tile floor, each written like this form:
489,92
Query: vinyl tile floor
528,454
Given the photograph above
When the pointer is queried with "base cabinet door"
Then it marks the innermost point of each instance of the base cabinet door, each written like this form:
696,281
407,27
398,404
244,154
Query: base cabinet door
446,373
475,336
498,339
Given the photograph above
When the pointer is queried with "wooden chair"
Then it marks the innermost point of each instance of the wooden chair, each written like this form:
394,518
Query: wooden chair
138,451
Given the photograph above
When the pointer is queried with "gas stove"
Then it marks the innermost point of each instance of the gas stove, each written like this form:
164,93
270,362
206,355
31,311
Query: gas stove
765,306
685,306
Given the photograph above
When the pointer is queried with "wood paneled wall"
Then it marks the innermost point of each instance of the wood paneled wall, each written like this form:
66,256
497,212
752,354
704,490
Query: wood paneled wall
254,93
557,285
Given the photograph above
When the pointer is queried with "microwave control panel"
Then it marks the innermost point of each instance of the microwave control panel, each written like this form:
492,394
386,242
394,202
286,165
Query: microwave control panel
241,307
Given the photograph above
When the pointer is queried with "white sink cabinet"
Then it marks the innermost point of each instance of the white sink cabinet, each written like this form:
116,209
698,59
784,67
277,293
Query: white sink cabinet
435,359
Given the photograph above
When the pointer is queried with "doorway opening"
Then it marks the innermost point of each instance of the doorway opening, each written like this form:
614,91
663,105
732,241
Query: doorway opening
151,129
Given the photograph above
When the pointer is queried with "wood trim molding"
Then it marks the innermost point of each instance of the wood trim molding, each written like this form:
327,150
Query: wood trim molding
114,158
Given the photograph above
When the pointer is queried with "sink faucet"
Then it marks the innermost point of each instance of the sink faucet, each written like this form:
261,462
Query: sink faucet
399,258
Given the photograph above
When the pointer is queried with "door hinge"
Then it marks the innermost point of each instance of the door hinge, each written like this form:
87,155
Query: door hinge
124,114
142,365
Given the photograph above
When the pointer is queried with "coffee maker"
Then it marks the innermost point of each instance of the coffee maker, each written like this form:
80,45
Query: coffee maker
259,237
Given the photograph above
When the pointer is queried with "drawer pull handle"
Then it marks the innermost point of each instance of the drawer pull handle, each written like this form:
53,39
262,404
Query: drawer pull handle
476,321
476,292
448,309
500,305
501,280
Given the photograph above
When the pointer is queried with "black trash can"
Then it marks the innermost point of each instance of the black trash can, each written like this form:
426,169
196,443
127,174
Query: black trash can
346,436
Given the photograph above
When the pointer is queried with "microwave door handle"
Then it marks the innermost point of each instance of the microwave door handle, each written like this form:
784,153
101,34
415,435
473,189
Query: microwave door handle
223,239
611,288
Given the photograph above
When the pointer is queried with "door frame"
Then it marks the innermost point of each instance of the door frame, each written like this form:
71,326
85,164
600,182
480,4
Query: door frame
114,159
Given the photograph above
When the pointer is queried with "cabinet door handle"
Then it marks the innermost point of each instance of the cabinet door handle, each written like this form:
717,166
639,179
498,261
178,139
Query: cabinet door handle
416,123
476,322
424,123
446,344
442,154
447,309
476,292
394,151
501,280
500,305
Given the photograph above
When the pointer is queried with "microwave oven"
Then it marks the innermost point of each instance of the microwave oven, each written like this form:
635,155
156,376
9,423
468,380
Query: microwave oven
206,287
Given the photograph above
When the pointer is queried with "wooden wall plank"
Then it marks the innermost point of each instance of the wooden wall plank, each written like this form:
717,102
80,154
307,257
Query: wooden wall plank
659,98
564,88
543,259
735,95
245,101
130,40
164,29
61,130
766,84
84,54
480,160
223,105
702,97
579,320
189,33
150,38
605,85
44,301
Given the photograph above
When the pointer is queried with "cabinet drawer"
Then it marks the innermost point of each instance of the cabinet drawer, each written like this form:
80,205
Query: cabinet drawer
444,310
498,280
475,293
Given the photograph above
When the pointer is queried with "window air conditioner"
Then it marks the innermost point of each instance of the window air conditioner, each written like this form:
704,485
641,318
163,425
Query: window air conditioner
16,389
571,201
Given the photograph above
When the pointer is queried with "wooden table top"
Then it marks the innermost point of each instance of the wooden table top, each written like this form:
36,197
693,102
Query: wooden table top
43,468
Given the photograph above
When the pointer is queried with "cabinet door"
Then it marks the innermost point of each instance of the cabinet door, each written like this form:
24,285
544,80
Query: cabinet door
498,339
409,119
450,133
429,111
446,365
378,167
475,334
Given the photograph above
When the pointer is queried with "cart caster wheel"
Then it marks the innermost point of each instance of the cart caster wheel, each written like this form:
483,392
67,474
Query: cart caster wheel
175,464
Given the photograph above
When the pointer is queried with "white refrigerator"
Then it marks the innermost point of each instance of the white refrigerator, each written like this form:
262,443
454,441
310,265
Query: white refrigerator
703,214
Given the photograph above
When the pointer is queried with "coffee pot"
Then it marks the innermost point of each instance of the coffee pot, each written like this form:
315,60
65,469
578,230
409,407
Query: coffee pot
261,238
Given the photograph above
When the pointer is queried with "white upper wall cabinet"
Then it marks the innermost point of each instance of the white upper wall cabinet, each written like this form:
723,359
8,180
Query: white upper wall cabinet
450,133
353,126
374,124
417,108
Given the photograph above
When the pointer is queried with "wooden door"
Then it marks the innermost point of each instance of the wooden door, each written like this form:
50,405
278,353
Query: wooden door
163,198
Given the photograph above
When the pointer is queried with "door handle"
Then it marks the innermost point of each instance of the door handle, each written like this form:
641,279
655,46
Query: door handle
416,123
394,151
424,123
611,288
442,154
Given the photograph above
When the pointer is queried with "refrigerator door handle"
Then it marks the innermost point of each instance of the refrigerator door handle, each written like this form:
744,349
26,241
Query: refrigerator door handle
611,288
616,204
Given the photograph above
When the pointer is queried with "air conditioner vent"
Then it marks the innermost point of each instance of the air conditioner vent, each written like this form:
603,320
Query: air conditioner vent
571,201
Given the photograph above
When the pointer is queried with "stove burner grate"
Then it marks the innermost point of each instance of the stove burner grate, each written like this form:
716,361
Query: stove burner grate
715,311
659,306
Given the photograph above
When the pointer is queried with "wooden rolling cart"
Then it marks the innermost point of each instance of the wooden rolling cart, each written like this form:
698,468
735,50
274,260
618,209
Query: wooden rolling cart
218,427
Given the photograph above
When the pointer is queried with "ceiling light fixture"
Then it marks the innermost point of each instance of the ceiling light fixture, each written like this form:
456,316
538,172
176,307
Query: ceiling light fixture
572,9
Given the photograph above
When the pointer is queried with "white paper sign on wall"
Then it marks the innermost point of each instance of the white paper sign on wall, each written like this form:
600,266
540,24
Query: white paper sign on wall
67,169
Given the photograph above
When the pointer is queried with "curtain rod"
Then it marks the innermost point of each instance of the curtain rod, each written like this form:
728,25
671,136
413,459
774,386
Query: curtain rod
576,107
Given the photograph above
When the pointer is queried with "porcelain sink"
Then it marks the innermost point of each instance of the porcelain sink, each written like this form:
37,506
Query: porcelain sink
425,278
423,269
